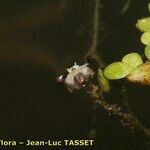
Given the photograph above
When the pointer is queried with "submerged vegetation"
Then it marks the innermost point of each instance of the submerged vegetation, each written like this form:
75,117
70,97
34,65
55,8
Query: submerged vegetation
132,67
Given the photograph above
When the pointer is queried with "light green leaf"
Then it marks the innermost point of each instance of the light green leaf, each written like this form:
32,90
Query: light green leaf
132,59
145,38
117,70
103,82
143,24
147,52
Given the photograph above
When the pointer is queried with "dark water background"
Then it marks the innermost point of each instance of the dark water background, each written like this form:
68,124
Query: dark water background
38,40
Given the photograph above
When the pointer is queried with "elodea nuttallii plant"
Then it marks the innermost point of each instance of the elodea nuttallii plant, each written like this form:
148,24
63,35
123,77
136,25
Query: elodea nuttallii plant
132,67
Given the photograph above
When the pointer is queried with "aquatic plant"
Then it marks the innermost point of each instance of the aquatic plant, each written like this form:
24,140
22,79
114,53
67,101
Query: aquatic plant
131,67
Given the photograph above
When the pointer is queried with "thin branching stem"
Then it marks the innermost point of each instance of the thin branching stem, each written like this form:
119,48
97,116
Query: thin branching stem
126,119
92,52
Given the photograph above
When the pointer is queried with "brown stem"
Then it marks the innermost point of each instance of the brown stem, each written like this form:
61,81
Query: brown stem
126,119
126,7
92,52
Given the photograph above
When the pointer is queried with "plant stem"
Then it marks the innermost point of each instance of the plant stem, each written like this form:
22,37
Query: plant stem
126,119
92,52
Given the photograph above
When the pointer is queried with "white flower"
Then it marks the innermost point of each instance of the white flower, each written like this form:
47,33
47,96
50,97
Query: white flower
77,76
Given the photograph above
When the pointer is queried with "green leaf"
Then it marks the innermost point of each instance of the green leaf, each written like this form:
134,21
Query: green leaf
145,38
143,24
103,82
132,59
147,52
117,70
